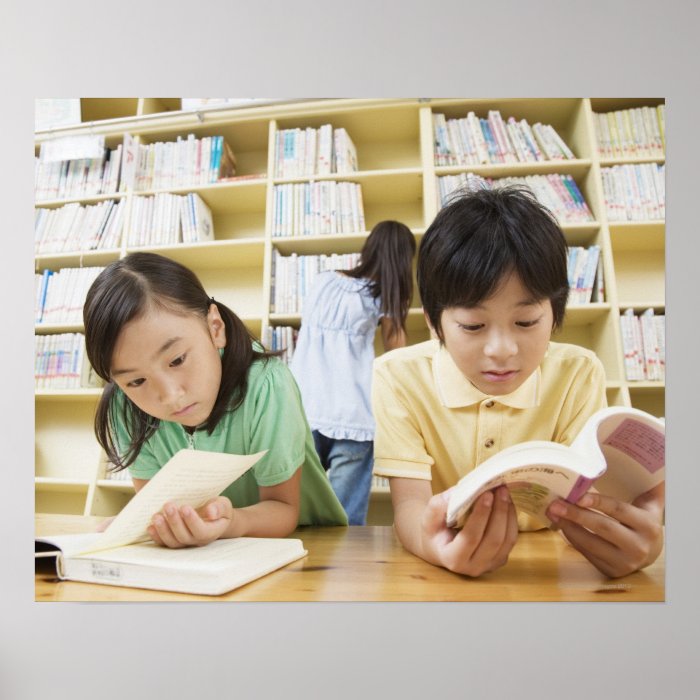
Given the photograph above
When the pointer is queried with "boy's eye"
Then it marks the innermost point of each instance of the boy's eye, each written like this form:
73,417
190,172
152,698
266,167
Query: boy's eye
527,324
178,361
471,326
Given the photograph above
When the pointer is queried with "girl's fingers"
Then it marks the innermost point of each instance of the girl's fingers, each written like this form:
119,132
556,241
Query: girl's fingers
199,530
177,525
215,508
163,533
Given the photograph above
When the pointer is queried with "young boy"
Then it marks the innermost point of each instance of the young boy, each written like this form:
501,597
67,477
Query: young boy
492,279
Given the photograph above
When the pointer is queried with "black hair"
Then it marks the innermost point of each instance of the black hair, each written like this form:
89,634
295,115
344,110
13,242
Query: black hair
386,260
125,290
480,238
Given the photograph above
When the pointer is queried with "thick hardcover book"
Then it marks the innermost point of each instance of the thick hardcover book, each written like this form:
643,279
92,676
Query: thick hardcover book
620,452
124,555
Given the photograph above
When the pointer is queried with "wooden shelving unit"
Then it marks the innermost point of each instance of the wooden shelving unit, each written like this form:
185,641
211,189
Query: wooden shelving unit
394,140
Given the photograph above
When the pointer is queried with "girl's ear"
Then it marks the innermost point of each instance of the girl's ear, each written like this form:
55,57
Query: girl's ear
217,327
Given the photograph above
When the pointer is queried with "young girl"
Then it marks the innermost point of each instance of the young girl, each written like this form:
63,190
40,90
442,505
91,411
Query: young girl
332,362
182,371
492,279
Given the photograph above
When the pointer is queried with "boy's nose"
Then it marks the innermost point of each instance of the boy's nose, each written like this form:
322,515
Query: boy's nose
500,345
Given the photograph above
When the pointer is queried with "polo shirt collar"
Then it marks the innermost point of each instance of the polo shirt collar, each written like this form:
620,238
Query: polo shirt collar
456,391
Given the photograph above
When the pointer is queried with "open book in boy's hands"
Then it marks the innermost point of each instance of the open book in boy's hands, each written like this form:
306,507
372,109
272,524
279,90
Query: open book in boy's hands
620,450
123,555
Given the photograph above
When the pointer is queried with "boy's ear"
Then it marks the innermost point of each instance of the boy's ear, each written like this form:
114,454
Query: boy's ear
217,327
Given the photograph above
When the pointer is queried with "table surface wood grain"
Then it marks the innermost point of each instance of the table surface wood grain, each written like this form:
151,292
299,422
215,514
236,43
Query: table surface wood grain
369,564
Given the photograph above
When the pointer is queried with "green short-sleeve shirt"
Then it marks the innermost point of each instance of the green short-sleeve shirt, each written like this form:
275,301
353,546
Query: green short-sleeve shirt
270,418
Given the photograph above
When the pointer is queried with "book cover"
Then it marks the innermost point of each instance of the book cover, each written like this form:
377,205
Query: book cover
214,569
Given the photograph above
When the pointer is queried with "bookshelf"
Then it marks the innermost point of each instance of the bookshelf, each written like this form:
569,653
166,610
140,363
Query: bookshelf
397,174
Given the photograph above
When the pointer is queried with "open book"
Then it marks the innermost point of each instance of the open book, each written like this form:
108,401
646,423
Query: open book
124,555
621,450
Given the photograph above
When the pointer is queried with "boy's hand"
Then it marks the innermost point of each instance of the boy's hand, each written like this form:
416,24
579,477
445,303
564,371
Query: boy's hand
185,526
616,537
485,541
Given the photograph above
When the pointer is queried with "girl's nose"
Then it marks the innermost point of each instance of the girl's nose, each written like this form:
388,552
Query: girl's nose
169,391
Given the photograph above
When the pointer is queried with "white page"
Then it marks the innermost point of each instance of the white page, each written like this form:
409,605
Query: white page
190,477
217,555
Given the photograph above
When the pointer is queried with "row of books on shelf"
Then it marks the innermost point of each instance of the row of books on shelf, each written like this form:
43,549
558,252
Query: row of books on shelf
314,208
60,362
585,273
634,192
75,227
644,345
281,338
639,132
160,219
293,275
474,140
379,483
308,152
60,295
77,177
559,193
168,219
185,162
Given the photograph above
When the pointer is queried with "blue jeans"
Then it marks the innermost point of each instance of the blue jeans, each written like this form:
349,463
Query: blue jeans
349,467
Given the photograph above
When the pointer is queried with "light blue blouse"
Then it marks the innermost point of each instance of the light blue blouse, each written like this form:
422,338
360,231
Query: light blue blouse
332,362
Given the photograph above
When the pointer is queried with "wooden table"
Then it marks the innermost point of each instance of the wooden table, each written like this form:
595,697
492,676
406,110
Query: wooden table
368,563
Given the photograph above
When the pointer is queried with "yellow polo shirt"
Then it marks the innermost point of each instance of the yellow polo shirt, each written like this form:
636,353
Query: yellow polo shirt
433,423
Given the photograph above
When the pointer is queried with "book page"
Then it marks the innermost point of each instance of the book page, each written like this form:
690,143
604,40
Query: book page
632,443
68,544
634,449
535,472
190,477
216,556
641,442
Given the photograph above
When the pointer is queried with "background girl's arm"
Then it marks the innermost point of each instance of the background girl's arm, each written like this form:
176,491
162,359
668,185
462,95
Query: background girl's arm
391,341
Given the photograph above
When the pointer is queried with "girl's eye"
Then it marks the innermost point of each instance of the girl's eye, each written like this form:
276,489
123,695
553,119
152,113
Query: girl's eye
134,383
471,326
178,361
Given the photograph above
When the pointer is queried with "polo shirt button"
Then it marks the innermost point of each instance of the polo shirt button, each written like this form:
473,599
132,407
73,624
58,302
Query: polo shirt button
489,404
488,443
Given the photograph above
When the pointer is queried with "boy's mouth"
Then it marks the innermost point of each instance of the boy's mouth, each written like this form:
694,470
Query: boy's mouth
499,375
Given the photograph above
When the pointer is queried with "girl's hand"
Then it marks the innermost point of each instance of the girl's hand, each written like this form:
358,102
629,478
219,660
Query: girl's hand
485,541
616,537
185,526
